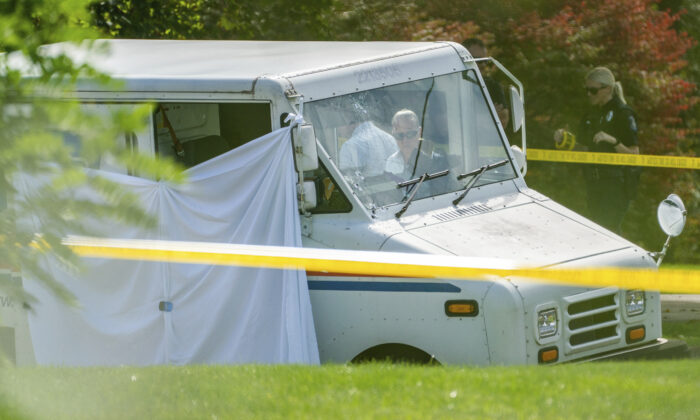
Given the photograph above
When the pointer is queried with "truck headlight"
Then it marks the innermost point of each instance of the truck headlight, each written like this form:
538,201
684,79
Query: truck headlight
635,302
547,323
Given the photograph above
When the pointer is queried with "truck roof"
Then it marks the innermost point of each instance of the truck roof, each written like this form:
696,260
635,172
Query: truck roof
230,66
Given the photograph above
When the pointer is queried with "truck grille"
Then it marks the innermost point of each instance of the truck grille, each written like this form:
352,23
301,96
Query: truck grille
592,320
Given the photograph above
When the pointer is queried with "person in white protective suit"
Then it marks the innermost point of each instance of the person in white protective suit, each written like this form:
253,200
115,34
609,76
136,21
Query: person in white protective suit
368,147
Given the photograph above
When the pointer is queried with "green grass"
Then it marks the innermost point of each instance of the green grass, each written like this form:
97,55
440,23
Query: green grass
640,390
680,266
688,331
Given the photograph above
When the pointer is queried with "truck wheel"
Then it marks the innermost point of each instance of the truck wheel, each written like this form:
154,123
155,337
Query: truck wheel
395,353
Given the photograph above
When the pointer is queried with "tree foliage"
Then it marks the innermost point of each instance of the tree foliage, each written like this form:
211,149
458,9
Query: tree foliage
211,19
151,19
549,44
639,43
35,82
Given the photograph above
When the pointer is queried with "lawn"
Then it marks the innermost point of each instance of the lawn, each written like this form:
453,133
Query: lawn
642,390
688,331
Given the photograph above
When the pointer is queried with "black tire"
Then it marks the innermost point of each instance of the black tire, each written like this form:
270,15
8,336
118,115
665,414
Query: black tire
395,353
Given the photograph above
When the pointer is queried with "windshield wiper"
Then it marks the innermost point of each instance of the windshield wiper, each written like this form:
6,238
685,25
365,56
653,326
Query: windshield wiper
476,174
417,182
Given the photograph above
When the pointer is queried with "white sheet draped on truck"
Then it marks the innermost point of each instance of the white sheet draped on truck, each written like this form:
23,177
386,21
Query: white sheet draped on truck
141,313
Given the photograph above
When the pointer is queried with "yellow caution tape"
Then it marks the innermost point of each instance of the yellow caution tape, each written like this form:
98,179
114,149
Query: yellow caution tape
678,162
384,264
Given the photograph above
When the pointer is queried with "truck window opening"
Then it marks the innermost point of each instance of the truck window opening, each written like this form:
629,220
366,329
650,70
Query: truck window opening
329,197
205,130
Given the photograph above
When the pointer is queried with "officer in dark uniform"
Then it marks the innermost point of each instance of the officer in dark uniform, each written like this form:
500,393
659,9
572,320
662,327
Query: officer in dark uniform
610,128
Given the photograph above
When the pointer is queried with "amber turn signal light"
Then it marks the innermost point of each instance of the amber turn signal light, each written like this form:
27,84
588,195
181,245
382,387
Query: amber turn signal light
461,308
635,334
548,355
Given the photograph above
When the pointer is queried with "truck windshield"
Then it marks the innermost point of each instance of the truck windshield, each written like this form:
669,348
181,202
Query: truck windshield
381,138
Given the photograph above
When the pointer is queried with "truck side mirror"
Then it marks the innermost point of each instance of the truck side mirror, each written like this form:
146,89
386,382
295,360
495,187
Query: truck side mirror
519,157
517,111
671,215
305,153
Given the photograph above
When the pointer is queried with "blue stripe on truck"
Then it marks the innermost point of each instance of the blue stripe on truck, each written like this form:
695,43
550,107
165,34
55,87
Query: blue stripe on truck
383,286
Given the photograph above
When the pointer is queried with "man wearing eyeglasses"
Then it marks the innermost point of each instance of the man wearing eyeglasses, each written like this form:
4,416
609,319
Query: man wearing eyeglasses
414,157
407,131
611,127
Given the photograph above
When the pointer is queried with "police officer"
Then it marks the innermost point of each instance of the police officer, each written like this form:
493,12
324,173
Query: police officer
610,127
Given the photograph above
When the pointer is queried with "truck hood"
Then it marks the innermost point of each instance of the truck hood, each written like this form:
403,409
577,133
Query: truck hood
533,234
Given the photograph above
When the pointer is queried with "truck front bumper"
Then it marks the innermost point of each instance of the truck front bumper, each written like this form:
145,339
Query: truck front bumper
658,349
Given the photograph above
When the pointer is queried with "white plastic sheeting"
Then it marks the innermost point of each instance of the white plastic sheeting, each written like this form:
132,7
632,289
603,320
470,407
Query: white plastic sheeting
142,313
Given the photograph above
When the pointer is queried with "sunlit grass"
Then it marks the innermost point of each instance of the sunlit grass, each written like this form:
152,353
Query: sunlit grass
603,390
688,331
667,389
680,266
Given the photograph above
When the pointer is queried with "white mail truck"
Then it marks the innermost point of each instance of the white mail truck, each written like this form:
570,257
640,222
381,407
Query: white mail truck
401,150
